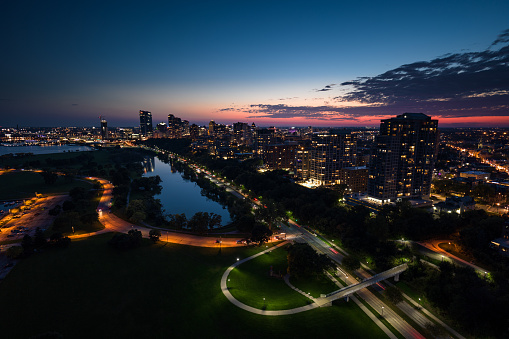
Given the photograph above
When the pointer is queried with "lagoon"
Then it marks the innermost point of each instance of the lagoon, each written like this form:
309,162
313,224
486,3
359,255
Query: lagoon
180,195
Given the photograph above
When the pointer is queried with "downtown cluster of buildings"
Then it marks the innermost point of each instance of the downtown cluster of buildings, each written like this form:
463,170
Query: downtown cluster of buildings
376,168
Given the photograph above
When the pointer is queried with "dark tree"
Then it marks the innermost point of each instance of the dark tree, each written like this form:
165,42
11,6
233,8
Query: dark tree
154,235
394,294
58,240
303,261
351,262
39,238
214,220
260,234
199,222
270,212
127,241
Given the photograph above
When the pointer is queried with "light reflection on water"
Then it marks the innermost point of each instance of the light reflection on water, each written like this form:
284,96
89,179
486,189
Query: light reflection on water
179,195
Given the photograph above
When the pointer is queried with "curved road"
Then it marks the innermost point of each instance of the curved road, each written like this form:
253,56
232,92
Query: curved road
112,223
433,245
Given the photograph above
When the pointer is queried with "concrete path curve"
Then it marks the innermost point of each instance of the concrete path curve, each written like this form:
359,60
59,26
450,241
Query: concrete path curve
237,303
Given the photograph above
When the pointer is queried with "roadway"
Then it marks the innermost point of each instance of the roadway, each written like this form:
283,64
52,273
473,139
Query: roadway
112,223
432,249
301,234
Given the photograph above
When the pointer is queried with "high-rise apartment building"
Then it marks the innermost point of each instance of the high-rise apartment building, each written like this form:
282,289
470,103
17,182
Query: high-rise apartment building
280,156
329,153
402,161
104,129
145,123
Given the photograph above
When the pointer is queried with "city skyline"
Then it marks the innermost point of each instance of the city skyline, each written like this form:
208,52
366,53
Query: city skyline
283,64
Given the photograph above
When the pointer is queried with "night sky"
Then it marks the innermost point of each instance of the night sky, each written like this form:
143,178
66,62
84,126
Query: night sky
282,63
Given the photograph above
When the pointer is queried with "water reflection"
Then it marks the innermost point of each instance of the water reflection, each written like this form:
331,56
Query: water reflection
179,194
148,164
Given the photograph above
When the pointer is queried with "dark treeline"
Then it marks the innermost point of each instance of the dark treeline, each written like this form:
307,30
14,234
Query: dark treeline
470,301
453,290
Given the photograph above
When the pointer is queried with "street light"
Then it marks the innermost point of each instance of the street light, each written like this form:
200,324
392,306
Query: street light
382,311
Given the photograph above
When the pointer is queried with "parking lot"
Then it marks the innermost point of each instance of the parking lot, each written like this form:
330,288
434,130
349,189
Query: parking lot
14,227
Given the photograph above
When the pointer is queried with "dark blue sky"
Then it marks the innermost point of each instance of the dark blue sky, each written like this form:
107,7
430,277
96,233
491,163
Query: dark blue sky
67,62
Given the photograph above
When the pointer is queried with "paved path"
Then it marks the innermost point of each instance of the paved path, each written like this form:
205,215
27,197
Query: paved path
237,303
287,281
112,223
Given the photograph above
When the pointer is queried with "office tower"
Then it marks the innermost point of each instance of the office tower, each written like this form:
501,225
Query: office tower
403,158
175,126
329,153
212,126
104,129
145,123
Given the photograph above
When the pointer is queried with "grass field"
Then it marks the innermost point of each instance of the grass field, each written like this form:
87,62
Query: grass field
315,286
164,290
19,185
251,282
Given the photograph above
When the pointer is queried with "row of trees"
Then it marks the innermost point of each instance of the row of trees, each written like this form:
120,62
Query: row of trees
472,301
200,222
30,244
77,213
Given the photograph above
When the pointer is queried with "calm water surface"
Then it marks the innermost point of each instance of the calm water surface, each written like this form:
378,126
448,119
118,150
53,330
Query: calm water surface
181,196
43,149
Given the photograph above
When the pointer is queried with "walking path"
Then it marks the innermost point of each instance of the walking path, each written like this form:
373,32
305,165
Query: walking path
286,278
239,304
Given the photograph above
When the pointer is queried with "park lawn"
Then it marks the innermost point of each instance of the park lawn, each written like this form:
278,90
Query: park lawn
156,291
250,283
315,286
21,185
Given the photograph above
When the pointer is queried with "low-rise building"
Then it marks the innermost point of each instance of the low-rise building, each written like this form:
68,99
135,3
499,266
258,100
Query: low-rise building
477,175
455,204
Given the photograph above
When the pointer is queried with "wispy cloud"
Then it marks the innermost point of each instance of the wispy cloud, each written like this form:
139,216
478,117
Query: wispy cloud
465,84
453,78
325,89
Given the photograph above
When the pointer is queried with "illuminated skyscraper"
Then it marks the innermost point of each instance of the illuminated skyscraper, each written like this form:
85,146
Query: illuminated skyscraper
145,123
104,128
329,153
403,158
